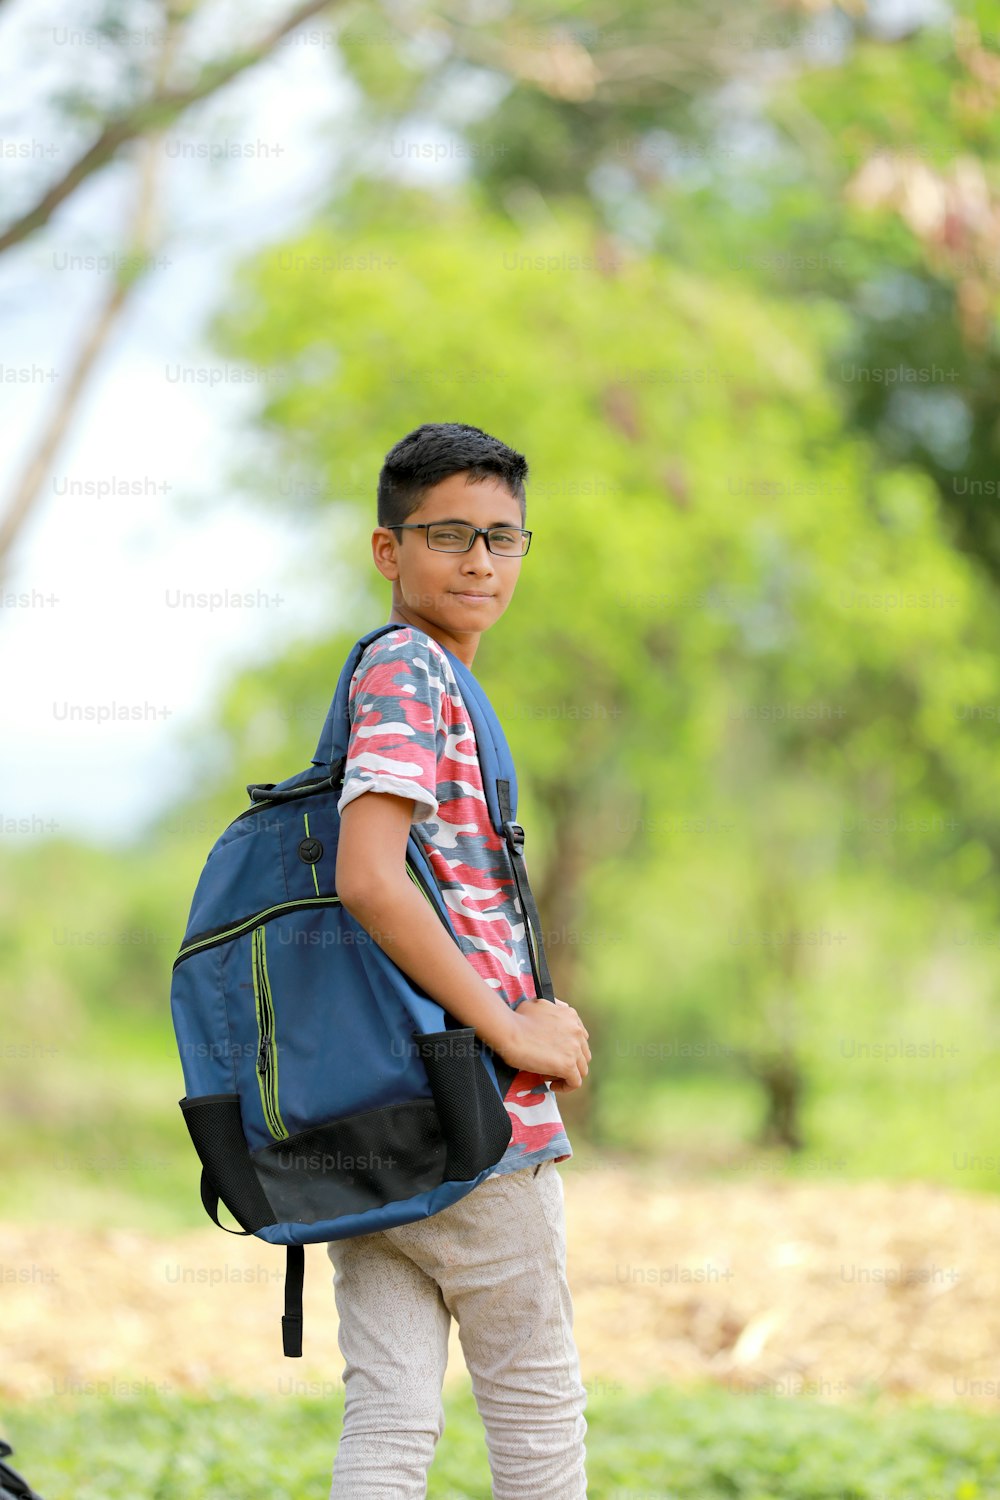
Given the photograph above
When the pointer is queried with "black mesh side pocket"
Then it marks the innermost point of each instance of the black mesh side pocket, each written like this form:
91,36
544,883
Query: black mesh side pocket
216,1129
474,1123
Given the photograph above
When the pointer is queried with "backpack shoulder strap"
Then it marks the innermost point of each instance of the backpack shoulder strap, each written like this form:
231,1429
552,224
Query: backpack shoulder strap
496,764
500,786
496,761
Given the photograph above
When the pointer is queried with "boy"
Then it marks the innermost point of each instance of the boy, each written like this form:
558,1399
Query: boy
496,1259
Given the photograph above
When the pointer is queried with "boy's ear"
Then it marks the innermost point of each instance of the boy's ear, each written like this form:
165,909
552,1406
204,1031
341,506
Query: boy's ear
384,553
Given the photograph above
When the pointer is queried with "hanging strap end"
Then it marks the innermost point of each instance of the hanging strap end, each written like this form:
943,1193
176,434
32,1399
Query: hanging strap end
291,1336
291,1322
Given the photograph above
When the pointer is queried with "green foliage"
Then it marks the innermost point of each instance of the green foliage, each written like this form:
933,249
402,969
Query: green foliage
765,608
702,1442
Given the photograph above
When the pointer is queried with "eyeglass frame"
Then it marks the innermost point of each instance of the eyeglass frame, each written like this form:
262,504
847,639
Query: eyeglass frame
477,531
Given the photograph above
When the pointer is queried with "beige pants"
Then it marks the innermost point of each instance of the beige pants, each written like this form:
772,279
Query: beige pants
496,1262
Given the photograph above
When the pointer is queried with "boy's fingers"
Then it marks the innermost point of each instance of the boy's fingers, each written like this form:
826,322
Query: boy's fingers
569,1007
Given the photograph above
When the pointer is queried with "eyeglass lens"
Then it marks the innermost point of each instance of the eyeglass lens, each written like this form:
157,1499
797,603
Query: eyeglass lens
456,538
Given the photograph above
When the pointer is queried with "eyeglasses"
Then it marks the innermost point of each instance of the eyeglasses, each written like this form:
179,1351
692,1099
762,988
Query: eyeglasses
458,536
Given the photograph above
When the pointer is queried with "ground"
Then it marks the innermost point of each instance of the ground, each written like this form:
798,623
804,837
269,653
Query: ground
828,1289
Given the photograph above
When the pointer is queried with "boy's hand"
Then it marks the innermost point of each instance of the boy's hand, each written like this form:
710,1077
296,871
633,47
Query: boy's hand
549,1039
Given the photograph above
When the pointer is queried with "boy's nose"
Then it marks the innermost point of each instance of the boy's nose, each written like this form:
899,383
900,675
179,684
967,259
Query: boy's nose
479,554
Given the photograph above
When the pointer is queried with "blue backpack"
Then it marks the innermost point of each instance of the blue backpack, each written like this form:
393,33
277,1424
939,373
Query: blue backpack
328,1095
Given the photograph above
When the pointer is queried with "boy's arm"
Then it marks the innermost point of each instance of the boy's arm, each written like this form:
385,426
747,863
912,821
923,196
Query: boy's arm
373,885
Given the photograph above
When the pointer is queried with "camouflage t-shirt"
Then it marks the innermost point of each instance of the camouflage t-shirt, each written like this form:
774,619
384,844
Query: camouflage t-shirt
411,735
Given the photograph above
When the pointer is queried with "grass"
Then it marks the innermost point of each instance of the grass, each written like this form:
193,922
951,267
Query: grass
702,1442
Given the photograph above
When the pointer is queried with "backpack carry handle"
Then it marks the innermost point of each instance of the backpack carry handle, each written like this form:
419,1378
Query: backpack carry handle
268,791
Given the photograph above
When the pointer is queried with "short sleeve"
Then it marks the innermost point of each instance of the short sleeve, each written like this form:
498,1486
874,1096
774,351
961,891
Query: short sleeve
396,705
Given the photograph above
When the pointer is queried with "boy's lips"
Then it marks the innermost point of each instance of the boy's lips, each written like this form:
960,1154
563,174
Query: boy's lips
470,594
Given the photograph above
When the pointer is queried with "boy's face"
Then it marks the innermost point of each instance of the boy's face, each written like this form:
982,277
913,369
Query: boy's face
429,587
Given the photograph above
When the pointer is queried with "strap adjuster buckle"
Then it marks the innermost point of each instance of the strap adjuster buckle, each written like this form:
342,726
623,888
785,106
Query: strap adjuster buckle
513,833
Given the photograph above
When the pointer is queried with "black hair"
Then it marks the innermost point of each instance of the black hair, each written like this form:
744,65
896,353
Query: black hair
436,450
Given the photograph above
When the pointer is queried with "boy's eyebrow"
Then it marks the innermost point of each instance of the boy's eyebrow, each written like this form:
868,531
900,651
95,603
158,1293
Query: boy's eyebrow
442,520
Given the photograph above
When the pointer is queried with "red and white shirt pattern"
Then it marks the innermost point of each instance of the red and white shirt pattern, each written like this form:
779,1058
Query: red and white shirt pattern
411,735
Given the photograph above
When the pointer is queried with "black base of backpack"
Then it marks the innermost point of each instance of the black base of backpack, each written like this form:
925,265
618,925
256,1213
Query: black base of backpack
12,1486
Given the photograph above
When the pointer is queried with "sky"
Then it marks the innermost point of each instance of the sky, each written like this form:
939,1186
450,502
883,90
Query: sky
104,664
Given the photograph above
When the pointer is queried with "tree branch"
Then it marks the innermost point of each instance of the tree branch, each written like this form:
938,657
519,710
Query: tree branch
163,106
141,238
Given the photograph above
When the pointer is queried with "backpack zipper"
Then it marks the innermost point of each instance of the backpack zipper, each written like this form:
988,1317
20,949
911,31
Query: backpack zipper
214,936
267,1061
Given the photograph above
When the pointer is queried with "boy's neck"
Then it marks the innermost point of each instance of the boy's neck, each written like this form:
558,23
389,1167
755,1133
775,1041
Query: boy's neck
463,646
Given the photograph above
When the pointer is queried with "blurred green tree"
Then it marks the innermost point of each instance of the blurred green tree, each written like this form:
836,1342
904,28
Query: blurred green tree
767,618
